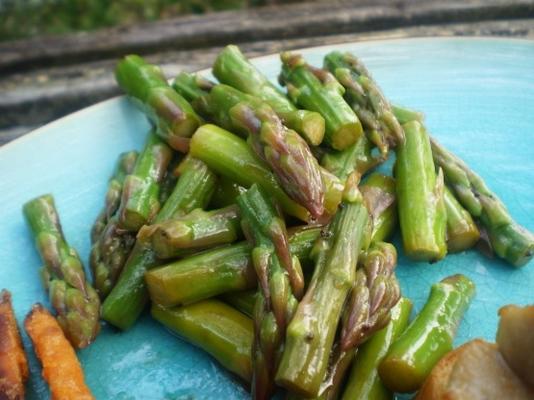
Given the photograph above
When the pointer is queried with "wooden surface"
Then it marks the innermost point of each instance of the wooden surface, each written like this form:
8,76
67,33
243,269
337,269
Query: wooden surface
43,79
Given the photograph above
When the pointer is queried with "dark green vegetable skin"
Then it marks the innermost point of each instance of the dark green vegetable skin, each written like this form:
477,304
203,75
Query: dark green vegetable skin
173,116
129,297
429,337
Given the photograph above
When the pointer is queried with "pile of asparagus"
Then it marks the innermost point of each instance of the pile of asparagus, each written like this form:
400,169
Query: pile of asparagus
253,222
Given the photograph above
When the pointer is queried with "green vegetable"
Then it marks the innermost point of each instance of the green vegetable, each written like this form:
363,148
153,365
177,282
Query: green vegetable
128,298
462,232
422,213
225,193
232,68
378,192
508,239
216,328
363,381
216,271
366,99
173,116
405,115
319,91
429,337
194,231
74,299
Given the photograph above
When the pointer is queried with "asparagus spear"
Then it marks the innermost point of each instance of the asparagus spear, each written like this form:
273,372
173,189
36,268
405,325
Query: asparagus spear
311,332
128,298
173,116
243,301
74,299
225,193
363,381
282,149
215,327
462,232
230,156
124,167
232,68
508,239
404,114
197,230
378,192
280,281
138,204
317,90
140,194
366,99
422,211
429,337
216,271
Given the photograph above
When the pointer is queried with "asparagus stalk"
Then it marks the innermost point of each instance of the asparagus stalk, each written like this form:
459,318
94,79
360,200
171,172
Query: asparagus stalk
216,271
197,230
129,296
366,99
173,116
462,232
280,281
282,149
363,381
508,239
311,332
422,211
74,299
378,192
232,68
230,156
318,90
405,115
124,167
225,193
215,327
138,204
243,301
429,337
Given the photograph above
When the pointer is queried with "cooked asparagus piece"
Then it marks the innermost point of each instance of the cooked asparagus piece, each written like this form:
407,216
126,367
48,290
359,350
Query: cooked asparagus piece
378,192
357,157
225,193
138,204
405,115
173,116
286,153
280,280
366,99
311,332
192,87
13,362
429,337
195,231
508,239
422,213
232,68
318,90
140,194
61,368
216,271
230,156
74,299
363,381
124,167
129,296
215,327
462,232
243,301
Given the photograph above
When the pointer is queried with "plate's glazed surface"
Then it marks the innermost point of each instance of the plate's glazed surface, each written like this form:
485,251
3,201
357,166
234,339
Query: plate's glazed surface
478,97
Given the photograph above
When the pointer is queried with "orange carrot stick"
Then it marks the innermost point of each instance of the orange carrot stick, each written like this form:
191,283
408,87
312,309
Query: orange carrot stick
13,363
61,368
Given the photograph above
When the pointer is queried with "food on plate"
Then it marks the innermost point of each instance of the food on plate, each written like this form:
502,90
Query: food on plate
515,339
422,214
462,232
474,371
13,363
429,337
61,368
74,299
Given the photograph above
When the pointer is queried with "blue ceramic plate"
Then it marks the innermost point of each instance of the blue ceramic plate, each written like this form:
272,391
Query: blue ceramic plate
478,96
